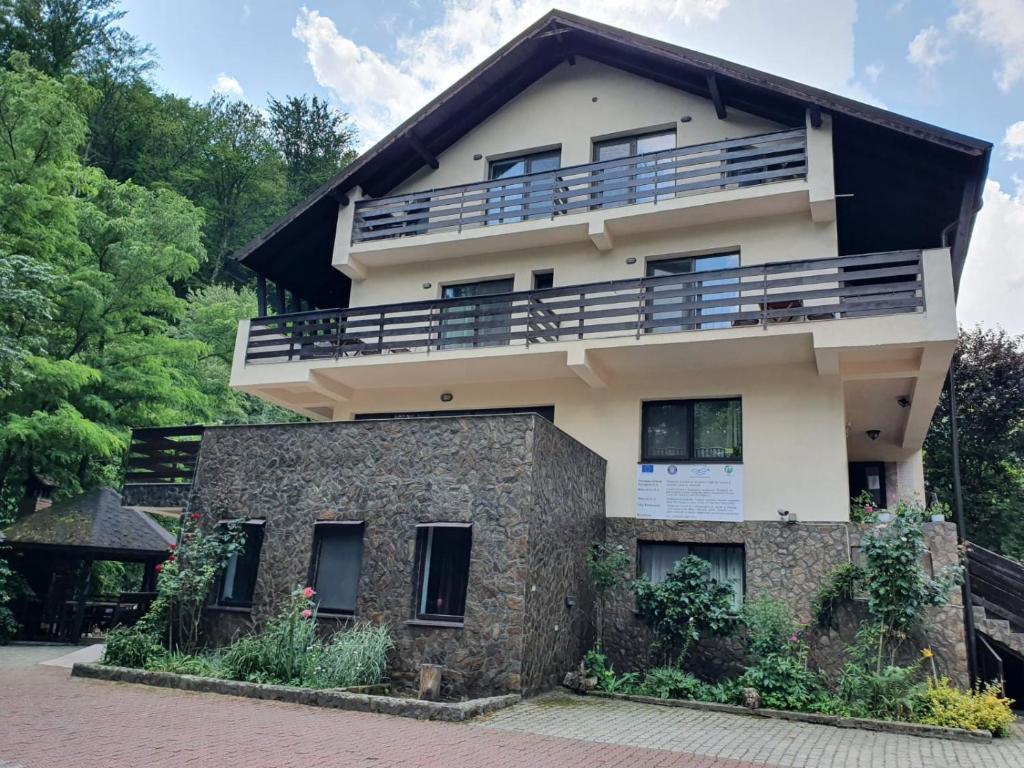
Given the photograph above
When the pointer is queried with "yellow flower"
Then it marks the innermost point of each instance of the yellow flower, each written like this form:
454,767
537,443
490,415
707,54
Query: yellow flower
927,653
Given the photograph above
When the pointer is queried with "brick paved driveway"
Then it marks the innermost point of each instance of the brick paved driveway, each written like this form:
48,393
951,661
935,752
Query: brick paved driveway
48,719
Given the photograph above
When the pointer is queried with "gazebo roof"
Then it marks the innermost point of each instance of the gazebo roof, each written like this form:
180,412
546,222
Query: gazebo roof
94,523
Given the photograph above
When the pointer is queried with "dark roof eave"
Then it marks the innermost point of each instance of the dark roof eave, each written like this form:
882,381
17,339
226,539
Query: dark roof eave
349,176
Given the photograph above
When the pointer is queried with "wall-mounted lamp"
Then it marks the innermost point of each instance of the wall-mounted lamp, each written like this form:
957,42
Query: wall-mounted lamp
447,397
478,156
631,260
685,119
570,601
594,99
904,402
873,434
428,285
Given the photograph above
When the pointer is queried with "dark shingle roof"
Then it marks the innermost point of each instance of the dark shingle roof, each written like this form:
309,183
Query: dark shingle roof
95,521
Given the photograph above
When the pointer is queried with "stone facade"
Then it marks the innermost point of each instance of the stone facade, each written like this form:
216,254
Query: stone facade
787,562
533,495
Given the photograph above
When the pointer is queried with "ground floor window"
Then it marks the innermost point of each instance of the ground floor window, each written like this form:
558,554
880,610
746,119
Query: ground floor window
336,565
692,430
656,558
442,555
238,581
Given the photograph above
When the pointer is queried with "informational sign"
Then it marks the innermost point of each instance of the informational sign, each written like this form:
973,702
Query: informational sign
706,492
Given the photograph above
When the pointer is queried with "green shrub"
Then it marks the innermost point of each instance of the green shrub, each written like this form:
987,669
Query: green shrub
722,692
131,647
596,665
783,681
888,692
608,566
683,606
671,683
840,586
770,627
985,709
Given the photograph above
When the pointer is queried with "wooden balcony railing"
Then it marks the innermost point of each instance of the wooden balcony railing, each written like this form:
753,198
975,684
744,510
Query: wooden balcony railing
648,178
163,455
765,294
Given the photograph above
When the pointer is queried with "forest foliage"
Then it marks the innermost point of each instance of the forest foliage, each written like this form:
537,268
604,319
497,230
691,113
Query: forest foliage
120,207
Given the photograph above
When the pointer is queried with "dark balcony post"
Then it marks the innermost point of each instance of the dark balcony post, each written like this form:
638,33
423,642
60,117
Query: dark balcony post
279,303
764,296
583,298
380,335
261,296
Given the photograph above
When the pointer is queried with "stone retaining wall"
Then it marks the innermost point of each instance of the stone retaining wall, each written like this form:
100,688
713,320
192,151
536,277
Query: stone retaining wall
787,562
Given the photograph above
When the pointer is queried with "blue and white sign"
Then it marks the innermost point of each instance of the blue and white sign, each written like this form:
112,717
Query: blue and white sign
701,492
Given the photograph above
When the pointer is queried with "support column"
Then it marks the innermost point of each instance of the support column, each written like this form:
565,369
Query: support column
81,593
261,296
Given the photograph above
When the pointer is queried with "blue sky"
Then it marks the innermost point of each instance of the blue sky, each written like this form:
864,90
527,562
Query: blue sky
956,63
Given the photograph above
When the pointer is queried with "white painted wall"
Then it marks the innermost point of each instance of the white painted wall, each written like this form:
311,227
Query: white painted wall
794,445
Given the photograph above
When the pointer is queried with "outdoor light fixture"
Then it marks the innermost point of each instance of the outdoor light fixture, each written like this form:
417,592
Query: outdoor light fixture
478,156
904,402
428,285
685,119
873,434
631,260
447,397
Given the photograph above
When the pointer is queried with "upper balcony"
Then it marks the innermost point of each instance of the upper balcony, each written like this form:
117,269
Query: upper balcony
883,314
749,176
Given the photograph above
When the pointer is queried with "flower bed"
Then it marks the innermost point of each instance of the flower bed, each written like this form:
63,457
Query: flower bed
354,699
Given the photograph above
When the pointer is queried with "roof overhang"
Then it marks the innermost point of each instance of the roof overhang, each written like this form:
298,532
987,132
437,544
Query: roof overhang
934,177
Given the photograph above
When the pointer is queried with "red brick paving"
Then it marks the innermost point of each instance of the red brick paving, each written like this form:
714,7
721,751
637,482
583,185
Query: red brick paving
48,719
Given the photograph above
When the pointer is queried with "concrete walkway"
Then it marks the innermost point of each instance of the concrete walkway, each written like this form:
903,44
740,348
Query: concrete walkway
48,719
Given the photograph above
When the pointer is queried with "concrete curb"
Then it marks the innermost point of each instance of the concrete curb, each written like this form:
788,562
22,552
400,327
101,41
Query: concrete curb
882,726
330,698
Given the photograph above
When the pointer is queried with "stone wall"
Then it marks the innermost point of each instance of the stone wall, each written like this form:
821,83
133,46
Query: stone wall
393,475
568,516
787,562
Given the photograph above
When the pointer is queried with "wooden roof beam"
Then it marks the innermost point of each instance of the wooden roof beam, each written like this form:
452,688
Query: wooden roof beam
716,95
420,149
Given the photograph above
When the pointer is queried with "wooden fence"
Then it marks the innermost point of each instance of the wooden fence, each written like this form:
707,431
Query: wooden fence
648,178
765,294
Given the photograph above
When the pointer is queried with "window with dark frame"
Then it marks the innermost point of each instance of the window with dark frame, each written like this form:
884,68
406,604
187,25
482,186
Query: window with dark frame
678,431
543,280
336,566
531,198
469,324
619,189
237,581
655,559
667,314
442,556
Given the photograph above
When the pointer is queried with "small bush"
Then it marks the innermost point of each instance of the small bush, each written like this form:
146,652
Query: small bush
596,665
671,683
784,682
892,693
770,627
985,709
131,647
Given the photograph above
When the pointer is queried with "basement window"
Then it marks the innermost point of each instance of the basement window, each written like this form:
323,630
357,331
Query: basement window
237,582
677,431
656,559
336,565
442,574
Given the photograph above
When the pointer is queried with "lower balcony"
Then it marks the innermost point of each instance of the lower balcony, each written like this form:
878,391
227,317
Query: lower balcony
843,314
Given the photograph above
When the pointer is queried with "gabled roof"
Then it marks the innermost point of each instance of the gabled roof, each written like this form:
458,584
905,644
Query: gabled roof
94,522
939,169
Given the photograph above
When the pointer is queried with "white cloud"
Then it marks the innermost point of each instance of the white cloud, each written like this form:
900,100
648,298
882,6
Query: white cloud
226,85
873,71
380,90
1000,25
1014,141
993,279
929,48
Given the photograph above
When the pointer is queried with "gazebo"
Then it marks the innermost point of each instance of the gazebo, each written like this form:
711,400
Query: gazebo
54,549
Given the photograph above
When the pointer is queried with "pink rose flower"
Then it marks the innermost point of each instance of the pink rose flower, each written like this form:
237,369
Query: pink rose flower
308,593
306,613
868,509
159,567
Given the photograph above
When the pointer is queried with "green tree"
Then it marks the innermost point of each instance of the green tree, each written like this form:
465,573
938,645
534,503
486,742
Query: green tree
607,565
990,404
95,357
315,141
